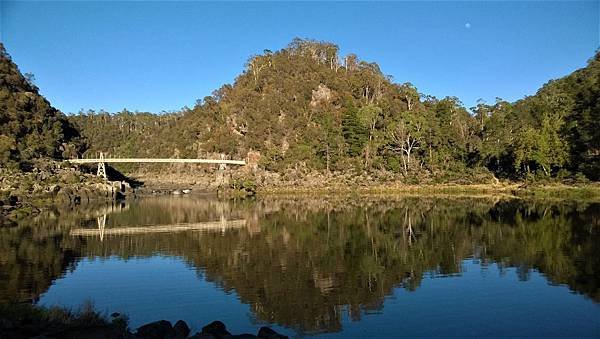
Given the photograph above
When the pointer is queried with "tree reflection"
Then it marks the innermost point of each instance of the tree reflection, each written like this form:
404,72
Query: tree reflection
303,263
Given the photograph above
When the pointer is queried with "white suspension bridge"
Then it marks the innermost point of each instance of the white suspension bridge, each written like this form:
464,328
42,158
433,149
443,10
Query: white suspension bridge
101,161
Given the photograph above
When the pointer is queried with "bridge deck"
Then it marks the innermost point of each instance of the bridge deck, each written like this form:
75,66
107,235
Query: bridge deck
150,160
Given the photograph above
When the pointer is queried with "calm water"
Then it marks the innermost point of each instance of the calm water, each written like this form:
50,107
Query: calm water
337,267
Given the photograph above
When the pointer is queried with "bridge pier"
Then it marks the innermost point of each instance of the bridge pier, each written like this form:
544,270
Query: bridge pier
101,167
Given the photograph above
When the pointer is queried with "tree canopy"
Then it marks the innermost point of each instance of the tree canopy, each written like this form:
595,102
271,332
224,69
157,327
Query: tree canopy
30,127
308,107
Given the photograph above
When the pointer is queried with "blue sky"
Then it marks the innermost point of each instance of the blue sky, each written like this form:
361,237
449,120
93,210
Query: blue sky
155,56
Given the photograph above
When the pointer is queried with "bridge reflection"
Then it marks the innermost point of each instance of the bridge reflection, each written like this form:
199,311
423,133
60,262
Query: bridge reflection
102,231
338,258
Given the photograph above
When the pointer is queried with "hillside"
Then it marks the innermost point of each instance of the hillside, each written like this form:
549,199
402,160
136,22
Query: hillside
304,106
33,137
555,132
30,128
307,107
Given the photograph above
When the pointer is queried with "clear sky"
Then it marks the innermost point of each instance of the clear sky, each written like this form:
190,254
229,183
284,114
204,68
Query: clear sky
155,56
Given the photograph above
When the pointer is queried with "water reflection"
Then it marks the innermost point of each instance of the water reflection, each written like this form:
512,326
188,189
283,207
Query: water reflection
309,263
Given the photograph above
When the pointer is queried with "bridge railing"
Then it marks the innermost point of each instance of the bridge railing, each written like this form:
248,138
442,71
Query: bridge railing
156,160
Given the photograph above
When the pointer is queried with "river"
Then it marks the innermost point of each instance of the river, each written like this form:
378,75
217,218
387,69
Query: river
346,266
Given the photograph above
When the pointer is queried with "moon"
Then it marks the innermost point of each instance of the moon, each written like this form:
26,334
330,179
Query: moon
468,25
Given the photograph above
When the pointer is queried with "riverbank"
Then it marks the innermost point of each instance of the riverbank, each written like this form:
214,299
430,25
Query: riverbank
262,182
54,183
515,190
269,183
50,183
27,321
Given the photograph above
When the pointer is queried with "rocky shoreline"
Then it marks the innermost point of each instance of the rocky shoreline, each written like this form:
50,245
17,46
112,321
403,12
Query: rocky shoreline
259,181
215,330
51,183
117,329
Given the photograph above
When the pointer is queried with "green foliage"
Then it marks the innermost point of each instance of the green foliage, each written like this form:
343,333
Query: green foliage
306,106
30,128
393,164
7,149
543,147
245,185
355,134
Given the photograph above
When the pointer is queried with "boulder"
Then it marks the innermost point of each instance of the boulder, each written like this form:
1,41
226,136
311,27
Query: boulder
181,329
321,96
216,329
156,330
266,332
240,336
252,160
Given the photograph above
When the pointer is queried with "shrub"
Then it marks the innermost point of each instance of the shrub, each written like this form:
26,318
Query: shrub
248,186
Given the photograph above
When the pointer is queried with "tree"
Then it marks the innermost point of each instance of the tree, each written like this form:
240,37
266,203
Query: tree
541,147
405,135
7,149
328,139
365,119
354,133
368,116
30,127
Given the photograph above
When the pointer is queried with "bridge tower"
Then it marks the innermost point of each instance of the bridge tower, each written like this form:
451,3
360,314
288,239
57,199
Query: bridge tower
101,167
222,166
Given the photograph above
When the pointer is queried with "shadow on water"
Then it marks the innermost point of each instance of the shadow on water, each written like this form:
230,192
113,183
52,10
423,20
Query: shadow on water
301,263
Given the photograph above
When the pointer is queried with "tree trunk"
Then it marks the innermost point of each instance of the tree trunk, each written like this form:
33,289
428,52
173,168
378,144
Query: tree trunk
327,159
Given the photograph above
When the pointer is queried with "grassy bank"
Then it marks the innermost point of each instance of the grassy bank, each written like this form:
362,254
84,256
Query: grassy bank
560,191
294,182
553,191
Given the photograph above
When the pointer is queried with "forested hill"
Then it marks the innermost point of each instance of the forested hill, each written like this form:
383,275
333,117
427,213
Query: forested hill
30,128
564,117
308,107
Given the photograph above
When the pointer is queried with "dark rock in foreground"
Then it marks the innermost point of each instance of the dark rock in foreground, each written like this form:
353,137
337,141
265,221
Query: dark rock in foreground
216,329
163,329
157,330
181,329
266,332
35,322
